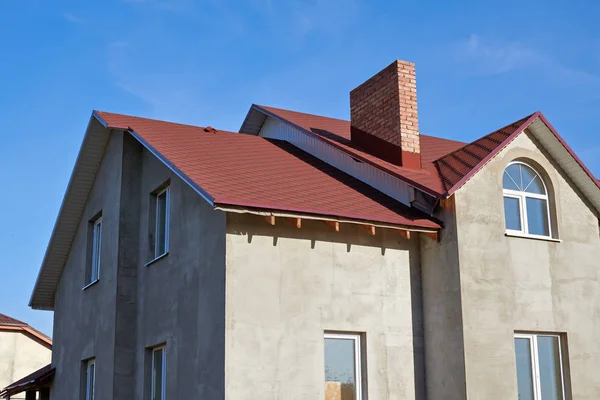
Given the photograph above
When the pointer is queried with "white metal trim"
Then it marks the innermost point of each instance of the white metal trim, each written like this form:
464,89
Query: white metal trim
355,337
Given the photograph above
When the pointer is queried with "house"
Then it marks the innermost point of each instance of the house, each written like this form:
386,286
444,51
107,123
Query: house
23,350
306,257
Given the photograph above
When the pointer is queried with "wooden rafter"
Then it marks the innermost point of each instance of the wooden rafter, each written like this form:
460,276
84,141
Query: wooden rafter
369,228
431,235
270,219
297,222
404,233
335,225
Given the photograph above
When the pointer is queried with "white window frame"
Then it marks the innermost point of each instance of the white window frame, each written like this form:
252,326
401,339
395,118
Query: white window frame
96,250
522,197
535,366
166,191
163,378
90,384
357,357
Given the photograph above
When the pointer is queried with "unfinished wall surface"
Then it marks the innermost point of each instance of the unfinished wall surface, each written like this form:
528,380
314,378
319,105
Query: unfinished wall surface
442,312
287,286
178,300
20,355
181,297
84,320
513,284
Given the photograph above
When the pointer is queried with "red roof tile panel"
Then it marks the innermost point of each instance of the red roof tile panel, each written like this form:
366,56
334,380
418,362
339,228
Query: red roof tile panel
251,171
337,133
6,320
444,162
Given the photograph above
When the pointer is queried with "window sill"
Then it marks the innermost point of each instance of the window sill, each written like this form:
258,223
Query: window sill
526,236
90,284
156,259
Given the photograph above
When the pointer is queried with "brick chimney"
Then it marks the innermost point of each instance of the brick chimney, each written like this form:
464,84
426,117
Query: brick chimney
383,114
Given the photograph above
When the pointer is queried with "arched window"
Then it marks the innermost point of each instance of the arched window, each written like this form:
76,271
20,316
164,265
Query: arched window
526,207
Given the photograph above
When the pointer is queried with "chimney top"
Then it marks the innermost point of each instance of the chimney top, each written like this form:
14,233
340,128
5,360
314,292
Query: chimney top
383,114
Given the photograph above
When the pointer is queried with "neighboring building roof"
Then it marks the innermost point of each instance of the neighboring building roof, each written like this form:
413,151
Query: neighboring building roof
34,381
6,320
12,324
446,164
249,171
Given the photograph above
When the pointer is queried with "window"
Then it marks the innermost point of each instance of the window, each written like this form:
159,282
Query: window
90,379
94,250
343,369
159,374
160,223
526,207
540,373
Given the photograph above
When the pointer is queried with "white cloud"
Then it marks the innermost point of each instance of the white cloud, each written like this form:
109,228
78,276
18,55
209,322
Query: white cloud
497,58
72,18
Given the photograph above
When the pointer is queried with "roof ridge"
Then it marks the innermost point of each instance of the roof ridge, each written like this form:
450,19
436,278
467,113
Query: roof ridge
475,142
100,114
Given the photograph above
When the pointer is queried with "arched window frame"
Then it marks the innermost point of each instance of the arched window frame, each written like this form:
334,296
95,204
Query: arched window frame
522,197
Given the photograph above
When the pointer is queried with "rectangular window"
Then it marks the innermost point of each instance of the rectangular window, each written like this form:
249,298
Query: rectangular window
343,369
540,372
90,380
159,223
94,250
96,245
159,374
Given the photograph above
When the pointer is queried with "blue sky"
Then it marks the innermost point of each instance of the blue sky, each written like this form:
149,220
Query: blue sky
480,65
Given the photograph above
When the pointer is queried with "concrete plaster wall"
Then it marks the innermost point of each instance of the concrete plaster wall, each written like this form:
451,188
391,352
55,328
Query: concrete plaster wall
181,297
443,323
287,286
20,355
513,284
84,319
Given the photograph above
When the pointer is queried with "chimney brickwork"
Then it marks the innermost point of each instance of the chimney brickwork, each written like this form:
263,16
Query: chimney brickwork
384,115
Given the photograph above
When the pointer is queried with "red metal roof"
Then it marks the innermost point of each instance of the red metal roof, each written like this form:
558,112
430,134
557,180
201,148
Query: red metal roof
250,171
6,320
445,163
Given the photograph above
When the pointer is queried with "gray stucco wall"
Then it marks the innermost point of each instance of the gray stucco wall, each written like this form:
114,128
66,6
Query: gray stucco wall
513,284
443,323
84,320
287,286
178,300
181,297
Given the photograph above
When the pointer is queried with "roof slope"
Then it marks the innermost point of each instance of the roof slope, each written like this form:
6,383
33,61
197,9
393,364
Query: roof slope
6,320
455,166
336,132
446,164
249,171
36,380
12,324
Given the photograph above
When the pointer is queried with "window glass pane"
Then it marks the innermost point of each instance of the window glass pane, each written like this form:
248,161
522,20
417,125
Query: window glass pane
161,222
96,250
340,369
524,370
508,182
549,360
512,213
513,174
531,181
537,216
91,381
157,374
